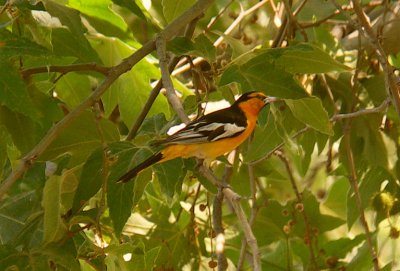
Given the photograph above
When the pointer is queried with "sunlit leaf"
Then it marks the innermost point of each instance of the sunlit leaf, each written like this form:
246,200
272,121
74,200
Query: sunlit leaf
311,112
174,8
132,89
73,89
100,9
259,74
54,228
132,6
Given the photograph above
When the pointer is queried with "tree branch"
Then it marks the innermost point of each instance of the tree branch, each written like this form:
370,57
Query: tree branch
156,90
234,200
166,79
66,69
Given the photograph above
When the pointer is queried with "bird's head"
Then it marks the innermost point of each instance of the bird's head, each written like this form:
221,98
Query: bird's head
253,102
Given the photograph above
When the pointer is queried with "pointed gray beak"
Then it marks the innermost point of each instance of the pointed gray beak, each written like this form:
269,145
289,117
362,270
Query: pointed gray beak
271,100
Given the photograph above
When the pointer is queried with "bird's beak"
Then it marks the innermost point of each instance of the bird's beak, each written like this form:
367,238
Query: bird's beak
271,100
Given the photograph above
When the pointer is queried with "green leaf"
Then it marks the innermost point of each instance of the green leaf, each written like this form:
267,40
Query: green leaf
259,74
66,43
13,259
14,212
307,58
370,186
318,220
181,46
72,89
362,259
276,259
274,226
311,112
13,92
337,197
150,257
340,247
173,8
122,197
378,149
154,126
67,16
12,45
201,46
71,41
132,6
80,138
54,228
22,129
265,140
170,175
91,179
205,47
131,90
120,203
99,9
63,256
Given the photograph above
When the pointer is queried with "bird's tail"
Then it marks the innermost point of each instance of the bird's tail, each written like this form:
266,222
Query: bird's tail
146,163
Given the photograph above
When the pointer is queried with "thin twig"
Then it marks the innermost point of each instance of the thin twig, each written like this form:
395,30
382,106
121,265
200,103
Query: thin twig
219,230
219,15
293,20
66,69
253,214
354,183
156,90
382,107
308,234
234,200
166,79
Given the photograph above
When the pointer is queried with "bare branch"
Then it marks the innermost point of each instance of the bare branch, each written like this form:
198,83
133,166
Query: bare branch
354,183
219,230
166,79
66,69
234,200
156,90
382,107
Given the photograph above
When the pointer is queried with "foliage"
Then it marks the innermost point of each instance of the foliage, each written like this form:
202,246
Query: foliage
319,183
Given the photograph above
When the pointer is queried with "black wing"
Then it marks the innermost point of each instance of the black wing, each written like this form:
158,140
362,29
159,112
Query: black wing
224,123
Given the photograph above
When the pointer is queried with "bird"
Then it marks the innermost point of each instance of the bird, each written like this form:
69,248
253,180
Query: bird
211,135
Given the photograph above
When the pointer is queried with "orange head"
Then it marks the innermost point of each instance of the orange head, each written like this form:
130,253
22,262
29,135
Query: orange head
253,102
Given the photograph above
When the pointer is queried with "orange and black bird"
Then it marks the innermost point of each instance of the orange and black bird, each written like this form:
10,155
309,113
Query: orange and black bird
211,135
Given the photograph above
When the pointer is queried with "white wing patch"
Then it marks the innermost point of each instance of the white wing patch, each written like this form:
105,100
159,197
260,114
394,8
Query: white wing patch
201,132
230,130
